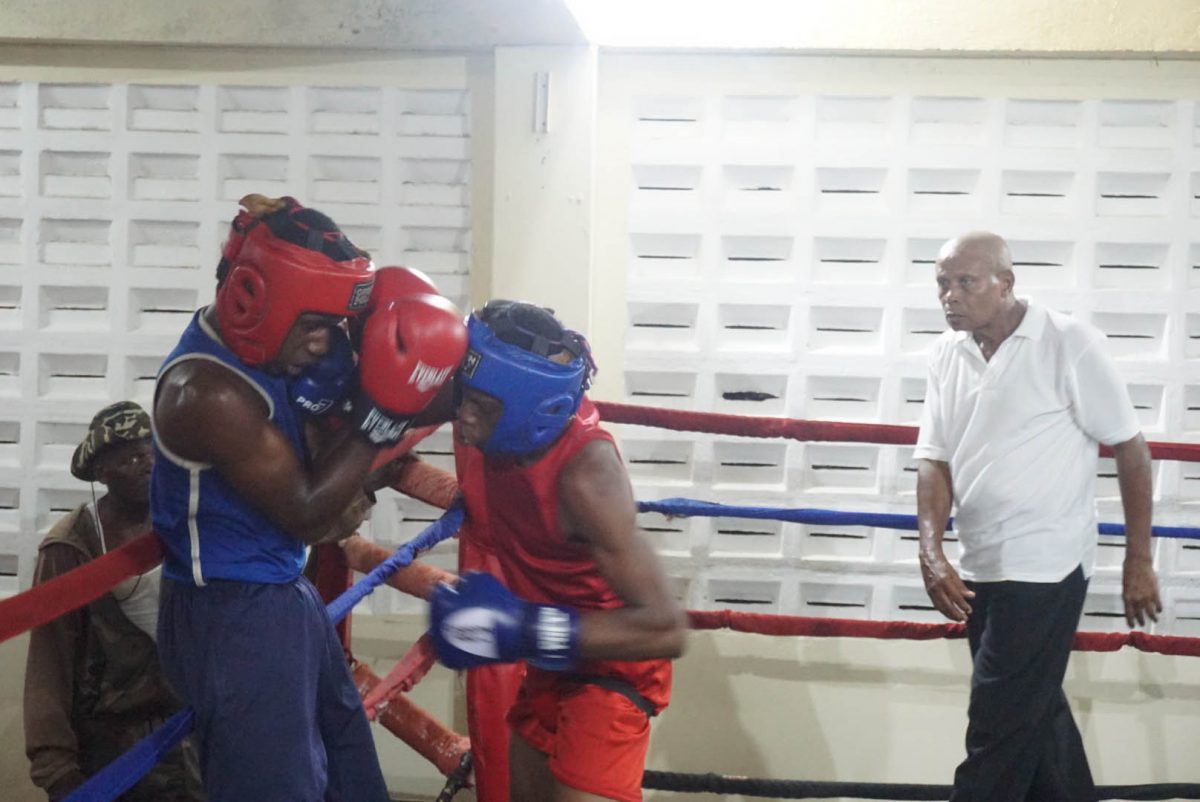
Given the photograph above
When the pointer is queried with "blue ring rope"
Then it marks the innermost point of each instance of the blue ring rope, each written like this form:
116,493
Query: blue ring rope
881,520
433,534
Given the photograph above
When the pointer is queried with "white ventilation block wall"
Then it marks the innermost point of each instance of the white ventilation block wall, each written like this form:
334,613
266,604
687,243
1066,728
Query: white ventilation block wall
114,201
780,223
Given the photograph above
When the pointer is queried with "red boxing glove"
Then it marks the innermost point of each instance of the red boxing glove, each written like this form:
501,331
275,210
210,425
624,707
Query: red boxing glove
410,348
393,283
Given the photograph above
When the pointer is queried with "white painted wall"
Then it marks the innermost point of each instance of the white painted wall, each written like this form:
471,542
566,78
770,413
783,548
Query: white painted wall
542,204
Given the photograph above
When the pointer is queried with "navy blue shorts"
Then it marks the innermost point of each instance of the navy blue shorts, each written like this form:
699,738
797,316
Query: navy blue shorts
278,718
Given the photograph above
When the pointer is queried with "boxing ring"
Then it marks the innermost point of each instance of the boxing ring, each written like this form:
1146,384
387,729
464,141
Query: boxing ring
385,698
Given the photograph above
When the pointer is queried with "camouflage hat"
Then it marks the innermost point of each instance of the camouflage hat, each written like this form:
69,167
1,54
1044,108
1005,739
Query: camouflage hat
121,422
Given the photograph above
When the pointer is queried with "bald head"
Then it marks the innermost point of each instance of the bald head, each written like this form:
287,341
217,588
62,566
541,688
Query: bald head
975,285
982,247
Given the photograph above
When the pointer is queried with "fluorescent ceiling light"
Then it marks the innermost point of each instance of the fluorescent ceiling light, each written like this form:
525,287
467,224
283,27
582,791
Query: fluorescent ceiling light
697,23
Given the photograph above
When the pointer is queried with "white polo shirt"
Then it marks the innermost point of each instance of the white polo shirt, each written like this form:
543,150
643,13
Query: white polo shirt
1020,435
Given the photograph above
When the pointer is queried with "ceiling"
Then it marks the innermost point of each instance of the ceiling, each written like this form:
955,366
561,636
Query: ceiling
374,24
1080,28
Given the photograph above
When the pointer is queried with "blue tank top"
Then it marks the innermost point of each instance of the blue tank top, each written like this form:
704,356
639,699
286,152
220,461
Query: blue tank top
208,530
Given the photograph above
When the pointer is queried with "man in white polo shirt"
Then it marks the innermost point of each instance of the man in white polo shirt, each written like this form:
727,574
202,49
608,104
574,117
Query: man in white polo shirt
1017,401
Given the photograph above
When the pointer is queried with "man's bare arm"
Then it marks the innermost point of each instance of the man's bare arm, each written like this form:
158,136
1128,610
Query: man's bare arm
205,413
1135,478
935,495
597,508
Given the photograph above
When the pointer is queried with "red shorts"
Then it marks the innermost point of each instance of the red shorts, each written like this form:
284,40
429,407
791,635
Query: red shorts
596,739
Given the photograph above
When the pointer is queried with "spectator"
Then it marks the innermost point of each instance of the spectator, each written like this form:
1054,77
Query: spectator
93,685
1018,400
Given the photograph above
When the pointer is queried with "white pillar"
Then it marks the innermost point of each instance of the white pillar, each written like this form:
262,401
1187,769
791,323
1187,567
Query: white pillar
543,173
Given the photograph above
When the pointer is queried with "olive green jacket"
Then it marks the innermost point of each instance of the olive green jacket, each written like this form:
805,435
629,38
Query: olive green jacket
93,684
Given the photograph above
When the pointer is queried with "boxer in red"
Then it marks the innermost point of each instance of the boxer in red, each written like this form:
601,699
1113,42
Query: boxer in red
582,598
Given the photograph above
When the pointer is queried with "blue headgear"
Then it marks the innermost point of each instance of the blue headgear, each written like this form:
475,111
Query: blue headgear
538,395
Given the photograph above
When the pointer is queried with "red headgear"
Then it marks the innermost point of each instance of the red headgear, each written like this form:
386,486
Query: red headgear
280,266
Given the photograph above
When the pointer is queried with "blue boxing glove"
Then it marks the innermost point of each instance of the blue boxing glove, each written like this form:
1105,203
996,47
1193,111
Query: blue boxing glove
478,621
322,385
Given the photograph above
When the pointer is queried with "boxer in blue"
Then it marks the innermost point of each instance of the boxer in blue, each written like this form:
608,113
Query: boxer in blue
244,638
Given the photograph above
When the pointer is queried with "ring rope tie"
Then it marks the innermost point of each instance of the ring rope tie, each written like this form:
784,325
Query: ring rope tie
457,780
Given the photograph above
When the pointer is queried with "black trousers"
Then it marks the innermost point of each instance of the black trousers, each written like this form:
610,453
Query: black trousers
1022,743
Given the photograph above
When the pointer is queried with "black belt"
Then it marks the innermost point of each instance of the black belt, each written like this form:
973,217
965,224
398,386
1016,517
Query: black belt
620,686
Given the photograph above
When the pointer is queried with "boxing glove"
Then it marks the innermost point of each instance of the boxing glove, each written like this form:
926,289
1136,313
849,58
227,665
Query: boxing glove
410,348
478,621
322,385
394,282
390,283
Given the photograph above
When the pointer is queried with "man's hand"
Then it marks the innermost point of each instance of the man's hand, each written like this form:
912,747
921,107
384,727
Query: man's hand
65,785
945,588
348,523
1135,477
388,474
1140,591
